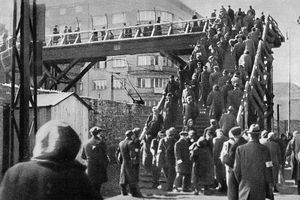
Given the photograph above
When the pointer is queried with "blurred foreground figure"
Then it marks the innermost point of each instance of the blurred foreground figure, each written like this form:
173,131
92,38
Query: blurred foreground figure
53,172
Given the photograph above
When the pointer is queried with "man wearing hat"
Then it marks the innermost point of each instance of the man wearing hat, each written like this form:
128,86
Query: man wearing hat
183,162
228,120
228,157
126,152
94,151
166,157
253,168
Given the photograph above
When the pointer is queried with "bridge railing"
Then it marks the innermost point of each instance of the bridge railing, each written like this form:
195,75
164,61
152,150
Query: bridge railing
128,32
257,102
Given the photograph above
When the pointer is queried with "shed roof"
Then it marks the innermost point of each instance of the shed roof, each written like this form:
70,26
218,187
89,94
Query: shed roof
45,100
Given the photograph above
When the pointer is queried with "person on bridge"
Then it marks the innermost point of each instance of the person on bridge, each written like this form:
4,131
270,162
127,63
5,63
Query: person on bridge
253,168
225,90
55,32
293,150
190,110
223,79
205,86
234,98
169,111
94,151
173,88
215,76
53,172
230,14
127,32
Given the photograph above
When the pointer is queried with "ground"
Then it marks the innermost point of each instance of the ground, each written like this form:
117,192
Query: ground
287,191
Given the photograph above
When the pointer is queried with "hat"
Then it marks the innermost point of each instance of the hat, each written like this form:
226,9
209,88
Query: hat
183,133
128,133
254,129
95,130
235,131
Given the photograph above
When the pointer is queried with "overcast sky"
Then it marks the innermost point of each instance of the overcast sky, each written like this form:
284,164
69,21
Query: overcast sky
285,12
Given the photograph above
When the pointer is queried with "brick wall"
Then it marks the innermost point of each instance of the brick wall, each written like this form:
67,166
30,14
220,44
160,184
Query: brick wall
117,118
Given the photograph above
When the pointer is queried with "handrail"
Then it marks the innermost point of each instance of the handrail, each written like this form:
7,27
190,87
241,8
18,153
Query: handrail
170,28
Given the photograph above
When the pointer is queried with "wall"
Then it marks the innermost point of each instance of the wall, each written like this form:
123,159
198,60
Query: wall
117,118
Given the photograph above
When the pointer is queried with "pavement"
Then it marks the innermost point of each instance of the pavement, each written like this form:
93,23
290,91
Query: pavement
287,191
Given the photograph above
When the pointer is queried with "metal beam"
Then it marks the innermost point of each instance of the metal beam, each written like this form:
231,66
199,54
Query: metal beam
64,72
79,76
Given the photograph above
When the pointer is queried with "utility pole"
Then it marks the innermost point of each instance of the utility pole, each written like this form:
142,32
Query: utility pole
289,119
112,87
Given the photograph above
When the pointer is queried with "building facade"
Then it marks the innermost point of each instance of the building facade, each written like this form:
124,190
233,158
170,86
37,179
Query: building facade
120,77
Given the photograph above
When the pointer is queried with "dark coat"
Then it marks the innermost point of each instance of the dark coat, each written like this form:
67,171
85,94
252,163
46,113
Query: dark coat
146,153
165,152
217,147
275,153
190,111
127,153
216,102
46,180
154,126
182,153
234,99
94,151
293,150
253,170
203,166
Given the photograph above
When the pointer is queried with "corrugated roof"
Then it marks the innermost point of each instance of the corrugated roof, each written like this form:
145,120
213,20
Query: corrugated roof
44,100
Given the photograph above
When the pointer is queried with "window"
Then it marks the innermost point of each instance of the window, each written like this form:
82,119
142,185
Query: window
119,62
99,85
158,82
166,16
119,18
99,20
145,83
118,83
78,9
100,65
146,15
62,11
167,62
147,60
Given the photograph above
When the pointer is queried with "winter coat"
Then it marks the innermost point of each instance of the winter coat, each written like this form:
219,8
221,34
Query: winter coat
275,152
234,99
190,111
293,150
165,153
154,126
53,172
203,166
127,152
217,147
253,170
227,121
94,151
182,153
216,102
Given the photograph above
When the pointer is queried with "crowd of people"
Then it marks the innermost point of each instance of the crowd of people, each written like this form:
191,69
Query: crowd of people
223,157
67,39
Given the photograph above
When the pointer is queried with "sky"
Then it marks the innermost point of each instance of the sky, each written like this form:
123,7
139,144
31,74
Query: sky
285,12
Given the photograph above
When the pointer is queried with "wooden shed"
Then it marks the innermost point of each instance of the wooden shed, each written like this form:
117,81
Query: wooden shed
67,107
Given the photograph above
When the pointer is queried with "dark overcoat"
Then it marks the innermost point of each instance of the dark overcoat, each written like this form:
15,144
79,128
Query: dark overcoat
165,152
253,170
182,153
127,153
154,125
94,151
203,166
293,150
275,153
46,180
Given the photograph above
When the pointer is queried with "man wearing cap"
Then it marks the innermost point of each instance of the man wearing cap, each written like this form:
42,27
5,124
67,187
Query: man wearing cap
218,142
166,157
94,151
253,168
228,120
234,98
126,154
183,162
228,157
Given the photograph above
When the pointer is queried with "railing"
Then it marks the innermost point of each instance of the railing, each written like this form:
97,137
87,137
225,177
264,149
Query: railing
259,89
128,32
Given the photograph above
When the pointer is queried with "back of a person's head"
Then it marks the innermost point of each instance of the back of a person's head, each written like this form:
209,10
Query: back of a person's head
57,141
